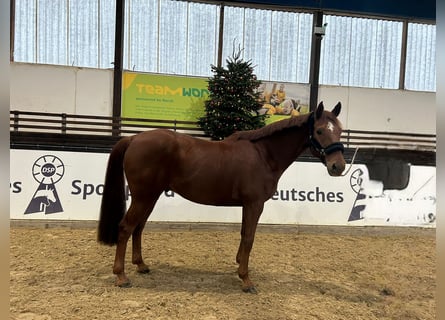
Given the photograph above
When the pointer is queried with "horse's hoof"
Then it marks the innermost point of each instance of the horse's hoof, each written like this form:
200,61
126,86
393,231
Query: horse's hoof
144,270
250,289
123,284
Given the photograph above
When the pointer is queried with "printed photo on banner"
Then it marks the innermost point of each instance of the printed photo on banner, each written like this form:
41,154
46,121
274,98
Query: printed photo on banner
281,100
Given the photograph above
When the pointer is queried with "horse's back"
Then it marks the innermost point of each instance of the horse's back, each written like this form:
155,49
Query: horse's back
150,147
162,143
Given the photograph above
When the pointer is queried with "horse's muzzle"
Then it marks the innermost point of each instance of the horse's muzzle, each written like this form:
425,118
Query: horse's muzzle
336,167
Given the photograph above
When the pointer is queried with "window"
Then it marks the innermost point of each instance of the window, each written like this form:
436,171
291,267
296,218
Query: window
421,57
188,37
160,35
278,43
361,52
107,25
52,34
83,33
141,43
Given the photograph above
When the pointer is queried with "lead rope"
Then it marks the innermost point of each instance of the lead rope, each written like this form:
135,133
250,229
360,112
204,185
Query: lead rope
352,162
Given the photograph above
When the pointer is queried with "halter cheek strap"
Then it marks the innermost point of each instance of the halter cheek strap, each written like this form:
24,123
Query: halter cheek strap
323,151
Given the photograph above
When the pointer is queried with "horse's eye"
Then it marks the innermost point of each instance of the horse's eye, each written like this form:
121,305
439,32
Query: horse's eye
319,131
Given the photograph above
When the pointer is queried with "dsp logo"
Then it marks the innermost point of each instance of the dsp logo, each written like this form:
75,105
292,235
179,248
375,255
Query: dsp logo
359,206
47,171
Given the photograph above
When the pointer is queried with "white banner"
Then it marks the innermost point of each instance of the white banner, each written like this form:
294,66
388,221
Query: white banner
61,185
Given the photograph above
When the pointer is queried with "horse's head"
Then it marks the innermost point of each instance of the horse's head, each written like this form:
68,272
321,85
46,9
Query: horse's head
51,196
325,130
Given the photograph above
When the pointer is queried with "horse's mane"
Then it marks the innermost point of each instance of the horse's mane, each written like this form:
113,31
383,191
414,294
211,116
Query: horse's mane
266,131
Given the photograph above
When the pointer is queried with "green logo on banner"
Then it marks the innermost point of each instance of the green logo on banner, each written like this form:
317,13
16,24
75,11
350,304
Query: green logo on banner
162,97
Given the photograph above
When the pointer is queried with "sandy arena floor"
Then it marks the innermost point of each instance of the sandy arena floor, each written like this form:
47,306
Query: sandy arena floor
63,273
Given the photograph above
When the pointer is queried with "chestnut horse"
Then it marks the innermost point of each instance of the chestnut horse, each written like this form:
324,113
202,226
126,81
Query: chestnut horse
241,170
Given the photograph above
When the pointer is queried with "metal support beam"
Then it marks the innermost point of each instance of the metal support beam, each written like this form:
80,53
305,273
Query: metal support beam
220,36
403,55
11,30
315,59
118,65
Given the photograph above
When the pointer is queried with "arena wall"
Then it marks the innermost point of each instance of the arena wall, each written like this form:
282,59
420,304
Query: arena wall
384,109
48,88
61,185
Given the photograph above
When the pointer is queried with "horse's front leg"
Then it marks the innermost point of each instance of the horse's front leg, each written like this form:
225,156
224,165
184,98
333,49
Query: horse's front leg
251,215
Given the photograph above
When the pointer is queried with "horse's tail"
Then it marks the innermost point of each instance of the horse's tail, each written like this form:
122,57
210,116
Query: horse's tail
113,204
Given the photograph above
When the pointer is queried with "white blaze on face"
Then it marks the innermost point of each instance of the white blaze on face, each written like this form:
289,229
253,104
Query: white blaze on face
330,126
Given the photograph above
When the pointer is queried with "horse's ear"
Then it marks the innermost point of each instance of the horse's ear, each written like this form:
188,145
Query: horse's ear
319,110
337,109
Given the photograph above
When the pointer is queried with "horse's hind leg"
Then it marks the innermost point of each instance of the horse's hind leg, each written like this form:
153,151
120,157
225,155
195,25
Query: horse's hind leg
137,249
132,222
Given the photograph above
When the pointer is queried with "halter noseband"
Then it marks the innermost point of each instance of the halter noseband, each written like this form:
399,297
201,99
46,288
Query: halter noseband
333,147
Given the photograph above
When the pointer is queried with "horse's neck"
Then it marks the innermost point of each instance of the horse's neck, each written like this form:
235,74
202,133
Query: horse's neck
283,148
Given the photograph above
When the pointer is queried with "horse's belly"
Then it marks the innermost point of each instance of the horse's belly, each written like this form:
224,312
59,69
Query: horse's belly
209,193
216,201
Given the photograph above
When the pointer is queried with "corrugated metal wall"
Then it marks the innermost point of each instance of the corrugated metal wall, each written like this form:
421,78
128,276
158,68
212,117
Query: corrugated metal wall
177,37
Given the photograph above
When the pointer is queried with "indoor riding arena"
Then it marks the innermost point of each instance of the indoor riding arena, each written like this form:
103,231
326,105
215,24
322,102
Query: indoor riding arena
222,160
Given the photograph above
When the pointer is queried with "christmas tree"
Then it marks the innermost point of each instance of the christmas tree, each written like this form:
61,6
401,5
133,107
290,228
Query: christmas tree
234,100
